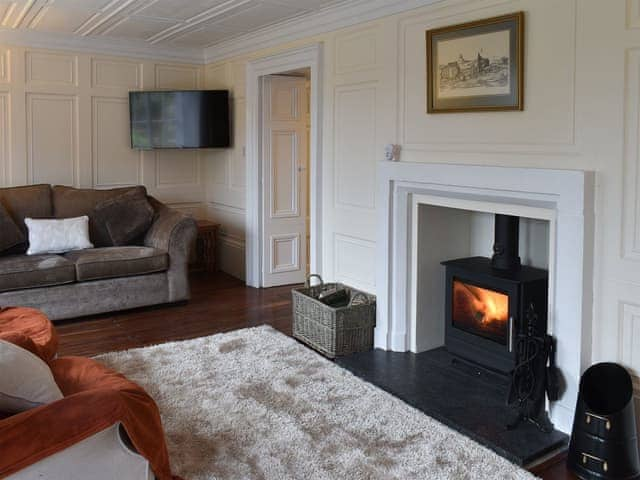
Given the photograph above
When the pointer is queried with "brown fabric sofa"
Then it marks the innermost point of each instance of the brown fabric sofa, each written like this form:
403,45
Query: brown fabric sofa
152,270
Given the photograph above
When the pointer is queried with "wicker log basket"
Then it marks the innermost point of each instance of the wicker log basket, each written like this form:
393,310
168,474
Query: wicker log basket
329,330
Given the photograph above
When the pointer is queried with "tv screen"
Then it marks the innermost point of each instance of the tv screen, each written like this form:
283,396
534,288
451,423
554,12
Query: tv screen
179,119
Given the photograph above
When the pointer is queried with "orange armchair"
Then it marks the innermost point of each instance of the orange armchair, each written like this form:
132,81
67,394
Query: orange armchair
105,427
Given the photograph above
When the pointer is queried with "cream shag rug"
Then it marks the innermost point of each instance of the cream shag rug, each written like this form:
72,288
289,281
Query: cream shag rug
255,404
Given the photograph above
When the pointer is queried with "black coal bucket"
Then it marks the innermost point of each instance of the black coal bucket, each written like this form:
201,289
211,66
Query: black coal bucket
604,443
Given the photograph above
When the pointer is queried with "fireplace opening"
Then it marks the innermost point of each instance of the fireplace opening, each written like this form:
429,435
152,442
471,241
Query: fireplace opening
489,301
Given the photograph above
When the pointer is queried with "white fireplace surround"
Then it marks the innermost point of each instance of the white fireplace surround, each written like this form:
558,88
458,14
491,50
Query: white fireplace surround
564,198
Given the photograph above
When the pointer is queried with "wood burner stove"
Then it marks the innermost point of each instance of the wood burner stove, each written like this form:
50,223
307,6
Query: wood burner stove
488,299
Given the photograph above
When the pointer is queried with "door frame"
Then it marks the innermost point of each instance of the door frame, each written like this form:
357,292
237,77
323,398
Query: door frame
305,57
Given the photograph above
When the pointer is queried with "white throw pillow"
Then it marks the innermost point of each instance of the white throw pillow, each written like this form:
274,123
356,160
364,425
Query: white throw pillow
25,380
58,235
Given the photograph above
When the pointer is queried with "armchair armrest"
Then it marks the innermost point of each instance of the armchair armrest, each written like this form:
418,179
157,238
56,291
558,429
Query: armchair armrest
102,456
97,399
37,434
176,233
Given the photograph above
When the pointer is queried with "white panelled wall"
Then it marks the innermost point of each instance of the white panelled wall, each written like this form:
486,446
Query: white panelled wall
225,171
64,119
582,104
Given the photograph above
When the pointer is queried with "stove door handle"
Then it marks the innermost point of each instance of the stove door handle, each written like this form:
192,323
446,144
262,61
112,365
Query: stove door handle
511,332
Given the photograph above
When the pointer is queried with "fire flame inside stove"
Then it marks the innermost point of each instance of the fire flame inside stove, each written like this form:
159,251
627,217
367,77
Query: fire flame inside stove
477,308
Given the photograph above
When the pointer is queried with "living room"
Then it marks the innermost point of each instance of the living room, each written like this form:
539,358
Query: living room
418,152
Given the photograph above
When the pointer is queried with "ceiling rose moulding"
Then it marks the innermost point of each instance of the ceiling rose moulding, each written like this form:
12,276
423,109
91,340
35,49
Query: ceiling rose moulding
29,15
6,19
100,45
132,10
35,19
196,21
23,12
111,11
323,21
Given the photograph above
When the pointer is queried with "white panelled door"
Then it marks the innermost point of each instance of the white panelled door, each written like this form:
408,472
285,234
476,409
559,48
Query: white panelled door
285,156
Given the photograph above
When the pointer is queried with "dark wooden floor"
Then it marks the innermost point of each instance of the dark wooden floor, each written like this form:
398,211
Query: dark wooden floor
219,303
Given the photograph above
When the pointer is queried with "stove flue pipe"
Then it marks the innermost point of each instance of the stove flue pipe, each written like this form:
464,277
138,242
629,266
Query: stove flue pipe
506,243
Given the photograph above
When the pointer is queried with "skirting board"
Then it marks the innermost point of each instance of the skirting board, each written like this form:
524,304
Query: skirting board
231,255
230,245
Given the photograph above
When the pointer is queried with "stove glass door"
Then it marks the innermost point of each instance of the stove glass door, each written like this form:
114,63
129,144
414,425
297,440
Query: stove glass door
480,311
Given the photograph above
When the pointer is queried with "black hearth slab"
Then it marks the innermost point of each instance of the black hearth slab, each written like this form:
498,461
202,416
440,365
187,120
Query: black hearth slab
469,400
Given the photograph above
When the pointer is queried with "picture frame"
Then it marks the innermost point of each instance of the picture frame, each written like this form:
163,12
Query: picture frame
476,66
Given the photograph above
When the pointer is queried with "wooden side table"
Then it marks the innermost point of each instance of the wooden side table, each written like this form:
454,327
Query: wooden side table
206,246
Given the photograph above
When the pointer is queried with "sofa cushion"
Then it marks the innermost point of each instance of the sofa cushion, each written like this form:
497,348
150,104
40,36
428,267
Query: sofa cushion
10,234
28,201
109,262
126,217
75,202
31,271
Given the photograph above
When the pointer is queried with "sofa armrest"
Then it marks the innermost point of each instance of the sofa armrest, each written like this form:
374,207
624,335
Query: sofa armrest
176,233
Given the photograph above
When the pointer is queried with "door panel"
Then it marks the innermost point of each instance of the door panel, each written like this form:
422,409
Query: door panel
284,104
285,253
284,170
284,173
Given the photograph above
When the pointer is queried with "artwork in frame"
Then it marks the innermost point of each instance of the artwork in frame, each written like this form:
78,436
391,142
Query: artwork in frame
476,66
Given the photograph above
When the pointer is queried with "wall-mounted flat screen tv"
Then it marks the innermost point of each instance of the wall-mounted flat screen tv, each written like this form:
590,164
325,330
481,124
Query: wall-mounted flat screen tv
179,119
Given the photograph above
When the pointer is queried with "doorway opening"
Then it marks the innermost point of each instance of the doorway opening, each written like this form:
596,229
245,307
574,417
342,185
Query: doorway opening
283,168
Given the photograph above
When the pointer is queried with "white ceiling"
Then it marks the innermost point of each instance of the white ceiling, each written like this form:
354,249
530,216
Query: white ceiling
171,23
193,31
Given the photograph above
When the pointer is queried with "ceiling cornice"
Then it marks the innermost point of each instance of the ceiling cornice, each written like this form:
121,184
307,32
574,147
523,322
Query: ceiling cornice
104,45
323,21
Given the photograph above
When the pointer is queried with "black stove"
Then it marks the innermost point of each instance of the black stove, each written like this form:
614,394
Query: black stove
489,301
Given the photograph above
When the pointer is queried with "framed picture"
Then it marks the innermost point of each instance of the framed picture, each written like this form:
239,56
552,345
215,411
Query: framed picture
476,66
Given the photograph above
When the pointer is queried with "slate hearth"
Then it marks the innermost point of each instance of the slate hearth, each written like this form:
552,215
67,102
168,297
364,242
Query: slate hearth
466,399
